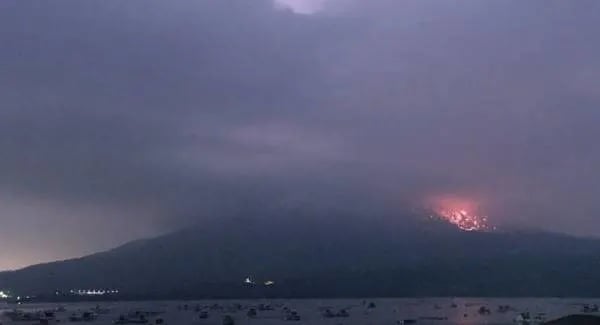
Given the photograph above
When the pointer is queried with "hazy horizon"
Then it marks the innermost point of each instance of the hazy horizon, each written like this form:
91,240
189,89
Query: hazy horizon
128,119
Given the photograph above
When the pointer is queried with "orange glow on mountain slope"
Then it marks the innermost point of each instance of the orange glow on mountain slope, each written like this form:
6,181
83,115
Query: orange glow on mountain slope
460,212
465,221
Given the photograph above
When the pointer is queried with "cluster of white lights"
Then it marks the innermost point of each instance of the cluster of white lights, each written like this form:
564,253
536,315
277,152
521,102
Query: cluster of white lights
93,292
267,283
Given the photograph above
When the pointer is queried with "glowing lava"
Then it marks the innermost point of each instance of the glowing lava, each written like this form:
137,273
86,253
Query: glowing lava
465,221
458,211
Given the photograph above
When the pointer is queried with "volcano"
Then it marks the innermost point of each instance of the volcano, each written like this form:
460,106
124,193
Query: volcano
337,256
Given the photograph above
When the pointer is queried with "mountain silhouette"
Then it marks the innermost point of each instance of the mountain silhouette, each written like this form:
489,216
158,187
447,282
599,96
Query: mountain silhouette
332,257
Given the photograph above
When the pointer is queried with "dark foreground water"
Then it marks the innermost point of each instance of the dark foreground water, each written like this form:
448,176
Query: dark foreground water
386,311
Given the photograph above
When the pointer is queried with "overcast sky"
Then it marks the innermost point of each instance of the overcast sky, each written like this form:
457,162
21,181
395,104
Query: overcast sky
126,119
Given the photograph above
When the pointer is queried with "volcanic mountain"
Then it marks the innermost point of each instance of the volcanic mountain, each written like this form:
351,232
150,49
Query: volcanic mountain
329,257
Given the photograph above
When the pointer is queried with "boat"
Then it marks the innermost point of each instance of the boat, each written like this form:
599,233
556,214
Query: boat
86,316
203,315
503,308
16,315
265,307
100,311
140,319
483,310
590,308
327,313
251,313
228,320
407,321
342,313
292,315
523,318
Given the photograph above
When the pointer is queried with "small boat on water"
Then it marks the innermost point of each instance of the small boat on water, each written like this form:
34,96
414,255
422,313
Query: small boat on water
327,313
587,308
503,308
523,318
100,311
406,321
132,319
342,313
292,315
86,316
265,307
16,315
228,320
137,317
148,313
526,318
252,313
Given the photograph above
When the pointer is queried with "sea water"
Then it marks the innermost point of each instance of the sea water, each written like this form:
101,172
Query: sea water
386,311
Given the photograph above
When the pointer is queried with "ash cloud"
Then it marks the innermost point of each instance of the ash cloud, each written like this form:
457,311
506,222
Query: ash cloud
127,119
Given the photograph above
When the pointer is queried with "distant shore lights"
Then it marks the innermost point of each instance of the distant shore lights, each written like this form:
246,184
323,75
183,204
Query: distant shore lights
251,282
94,292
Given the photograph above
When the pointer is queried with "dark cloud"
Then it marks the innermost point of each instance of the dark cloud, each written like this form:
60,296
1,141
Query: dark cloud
126,119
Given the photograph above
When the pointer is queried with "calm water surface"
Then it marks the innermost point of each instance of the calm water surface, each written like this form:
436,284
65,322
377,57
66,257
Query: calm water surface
387,311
